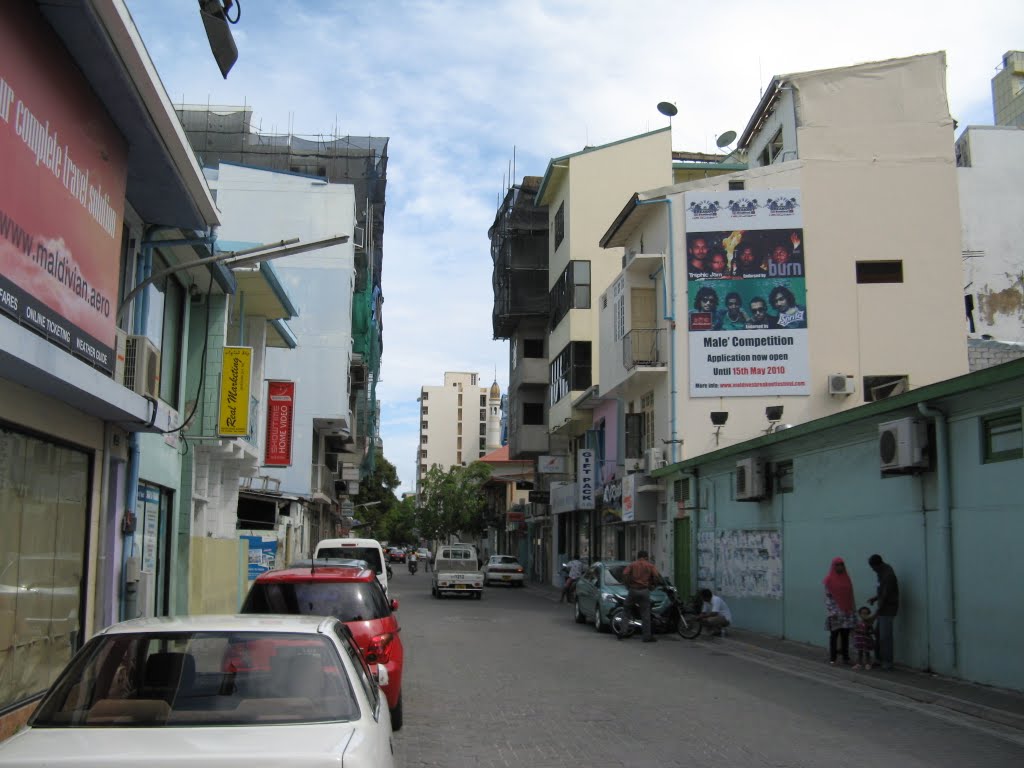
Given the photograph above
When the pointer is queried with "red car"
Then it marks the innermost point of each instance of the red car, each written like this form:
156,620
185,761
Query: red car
350,593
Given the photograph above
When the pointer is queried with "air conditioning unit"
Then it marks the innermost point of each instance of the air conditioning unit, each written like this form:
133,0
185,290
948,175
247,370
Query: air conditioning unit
632,465
840,384
654,458
903,445
142,366
750,479
120,345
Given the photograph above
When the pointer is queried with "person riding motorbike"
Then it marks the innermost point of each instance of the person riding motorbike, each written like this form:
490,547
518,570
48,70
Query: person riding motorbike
412,560
573,570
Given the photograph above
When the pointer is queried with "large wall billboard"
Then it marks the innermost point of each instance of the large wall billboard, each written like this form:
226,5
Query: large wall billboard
64,167
746,271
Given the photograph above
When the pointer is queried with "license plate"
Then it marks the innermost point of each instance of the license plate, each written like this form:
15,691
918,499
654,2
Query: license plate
505,578
460,586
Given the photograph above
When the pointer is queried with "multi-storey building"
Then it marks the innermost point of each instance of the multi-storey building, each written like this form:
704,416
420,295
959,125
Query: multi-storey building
101,196
1008,90
337,429
459,423
990,162
850,204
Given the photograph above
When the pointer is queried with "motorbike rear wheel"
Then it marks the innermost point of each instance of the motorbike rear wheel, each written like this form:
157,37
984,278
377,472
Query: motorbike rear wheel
688,626
621,625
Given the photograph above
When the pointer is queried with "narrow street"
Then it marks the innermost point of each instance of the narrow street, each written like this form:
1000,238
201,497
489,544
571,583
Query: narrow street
511,680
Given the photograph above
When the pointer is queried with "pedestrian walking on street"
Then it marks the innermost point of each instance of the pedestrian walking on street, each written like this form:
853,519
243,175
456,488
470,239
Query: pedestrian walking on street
864,638
640,577
839,610
887,605
428,558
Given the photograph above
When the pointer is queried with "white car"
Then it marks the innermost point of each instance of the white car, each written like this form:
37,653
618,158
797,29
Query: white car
503,569
211,690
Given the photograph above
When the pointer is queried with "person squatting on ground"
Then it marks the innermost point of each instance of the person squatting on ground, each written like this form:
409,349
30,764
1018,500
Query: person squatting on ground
715,614
640,577
887,605
839,610
864,638
575,570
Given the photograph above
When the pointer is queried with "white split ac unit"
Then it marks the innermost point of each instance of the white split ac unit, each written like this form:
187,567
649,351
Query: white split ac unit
750,479
840,384
654,458
903,445
142,366
632,465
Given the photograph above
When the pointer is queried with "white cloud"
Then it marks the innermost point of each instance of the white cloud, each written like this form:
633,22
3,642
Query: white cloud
458,86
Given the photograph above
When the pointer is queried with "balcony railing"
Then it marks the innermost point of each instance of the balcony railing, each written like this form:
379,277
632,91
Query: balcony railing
644,347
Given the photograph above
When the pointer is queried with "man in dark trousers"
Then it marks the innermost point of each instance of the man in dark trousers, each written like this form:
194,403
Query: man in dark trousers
887,605
640,577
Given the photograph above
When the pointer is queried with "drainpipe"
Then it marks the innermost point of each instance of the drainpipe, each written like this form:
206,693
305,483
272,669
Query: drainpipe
670,316
945,602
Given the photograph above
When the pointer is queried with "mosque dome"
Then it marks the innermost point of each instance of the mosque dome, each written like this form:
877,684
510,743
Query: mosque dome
495,391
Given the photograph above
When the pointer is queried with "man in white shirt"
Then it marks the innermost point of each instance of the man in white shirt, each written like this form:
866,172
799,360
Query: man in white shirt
715,614
574,570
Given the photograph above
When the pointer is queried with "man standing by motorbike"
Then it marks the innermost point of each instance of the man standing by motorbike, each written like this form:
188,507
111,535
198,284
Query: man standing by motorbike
640,577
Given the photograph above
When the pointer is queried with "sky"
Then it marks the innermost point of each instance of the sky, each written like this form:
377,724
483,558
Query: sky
472,94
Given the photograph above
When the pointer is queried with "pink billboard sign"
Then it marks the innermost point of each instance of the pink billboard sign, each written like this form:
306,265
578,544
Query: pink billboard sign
62,193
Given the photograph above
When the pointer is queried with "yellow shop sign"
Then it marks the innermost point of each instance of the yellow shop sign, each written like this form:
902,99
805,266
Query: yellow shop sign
234,392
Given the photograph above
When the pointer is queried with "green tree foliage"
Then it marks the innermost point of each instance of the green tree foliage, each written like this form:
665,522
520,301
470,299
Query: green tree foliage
378,487
398,526
452,502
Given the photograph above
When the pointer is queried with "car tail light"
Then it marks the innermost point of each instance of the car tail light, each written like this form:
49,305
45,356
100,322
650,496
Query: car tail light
379,649
519,569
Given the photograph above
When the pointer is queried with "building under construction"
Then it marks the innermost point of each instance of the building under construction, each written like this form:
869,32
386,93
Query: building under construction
226,134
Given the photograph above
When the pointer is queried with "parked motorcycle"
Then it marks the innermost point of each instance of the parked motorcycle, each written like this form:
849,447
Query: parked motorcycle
671,616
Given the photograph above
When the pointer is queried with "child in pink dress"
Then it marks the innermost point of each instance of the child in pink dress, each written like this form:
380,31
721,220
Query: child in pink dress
864,638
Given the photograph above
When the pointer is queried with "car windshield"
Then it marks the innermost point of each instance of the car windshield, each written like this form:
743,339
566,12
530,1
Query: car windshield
370,554
346,601
504,560
155,680
613,575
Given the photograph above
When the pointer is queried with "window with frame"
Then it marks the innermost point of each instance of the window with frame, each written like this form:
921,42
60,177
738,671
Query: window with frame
423,440
571,290
483,401
425,411
880,271
634,435
772,150
425,395
533,414
423,425
647,409
1002,437
533,347
570,371
559,225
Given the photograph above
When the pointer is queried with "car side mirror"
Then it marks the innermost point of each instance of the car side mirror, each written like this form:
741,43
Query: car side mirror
394,604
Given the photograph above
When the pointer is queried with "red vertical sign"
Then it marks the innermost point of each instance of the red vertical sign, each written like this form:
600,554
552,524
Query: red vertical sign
280,408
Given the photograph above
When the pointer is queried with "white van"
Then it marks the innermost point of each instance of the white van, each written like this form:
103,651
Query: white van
369,550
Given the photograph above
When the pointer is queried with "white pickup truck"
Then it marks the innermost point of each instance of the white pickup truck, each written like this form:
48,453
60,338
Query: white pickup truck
457,571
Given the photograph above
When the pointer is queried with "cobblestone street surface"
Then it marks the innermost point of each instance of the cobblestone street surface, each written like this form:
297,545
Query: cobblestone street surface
511,680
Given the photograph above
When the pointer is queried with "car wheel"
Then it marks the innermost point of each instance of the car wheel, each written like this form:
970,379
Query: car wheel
598,624
578,614
396,715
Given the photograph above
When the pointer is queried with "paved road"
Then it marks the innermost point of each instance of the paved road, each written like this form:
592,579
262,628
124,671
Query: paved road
511,680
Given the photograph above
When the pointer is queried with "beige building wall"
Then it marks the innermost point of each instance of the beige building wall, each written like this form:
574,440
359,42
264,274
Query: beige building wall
593,189
217,567
877,178
439,409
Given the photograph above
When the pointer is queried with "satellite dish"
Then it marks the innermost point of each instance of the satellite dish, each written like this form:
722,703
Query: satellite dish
726,139
667,108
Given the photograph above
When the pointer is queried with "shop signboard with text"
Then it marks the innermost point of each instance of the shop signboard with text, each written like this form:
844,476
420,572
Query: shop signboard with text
586,477
233,420
280,413
62,198
746,292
